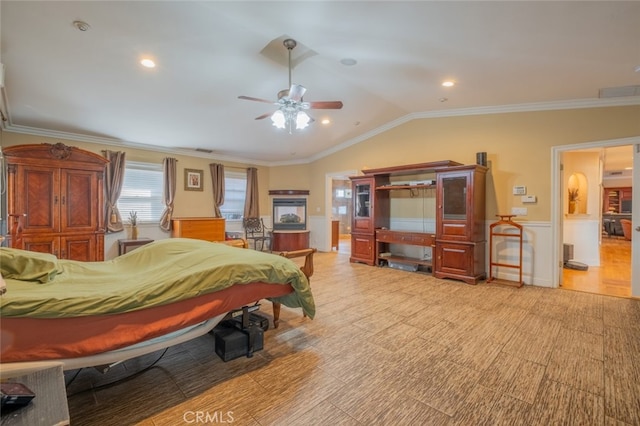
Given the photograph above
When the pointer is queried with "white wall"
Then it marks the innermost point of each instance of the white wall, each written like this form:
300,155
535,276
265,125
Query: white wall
584,234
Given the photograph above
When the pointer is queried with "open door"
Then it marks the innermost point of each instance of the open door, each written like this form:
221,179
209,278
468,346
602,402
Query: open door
635,225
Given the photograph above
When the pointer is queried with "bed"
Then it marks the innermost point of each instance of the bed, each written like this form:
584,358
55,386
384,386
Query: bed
166,292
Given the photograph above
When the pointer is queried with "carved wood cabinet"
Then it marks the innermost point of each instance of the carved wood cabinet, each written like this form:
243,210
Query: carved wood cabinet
370,211
460,223
56,200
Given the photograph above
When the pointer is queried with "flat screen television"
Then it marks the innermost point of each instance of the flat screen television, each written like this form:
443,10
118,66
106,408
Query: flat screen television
625,206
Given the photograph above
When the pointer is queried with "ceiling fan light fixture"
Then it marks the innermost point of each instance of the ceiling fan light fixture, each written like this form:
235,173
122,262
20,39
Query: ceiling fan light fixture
290,114
278,120
302,120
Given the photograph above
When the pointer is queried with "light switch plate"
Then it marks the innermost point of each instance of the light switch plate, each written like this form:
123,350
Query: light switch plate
519,190
529,199
519,211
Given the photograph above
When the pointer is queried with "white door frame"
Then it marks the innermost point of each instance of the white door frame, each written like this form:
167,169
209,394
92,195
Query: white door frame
635,224
556,205
328,204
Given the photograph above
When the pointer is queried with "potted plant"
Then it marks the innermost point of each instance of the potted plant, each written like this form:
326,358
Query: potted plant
133,221
573,199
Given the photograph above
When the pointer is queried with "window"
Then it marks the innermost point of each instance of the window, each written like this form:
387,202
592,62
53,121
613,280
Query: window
142,192
235,191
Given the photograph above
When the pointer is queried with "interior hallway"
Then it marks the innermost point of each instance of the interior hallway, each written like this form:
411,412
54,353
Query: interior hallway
611,278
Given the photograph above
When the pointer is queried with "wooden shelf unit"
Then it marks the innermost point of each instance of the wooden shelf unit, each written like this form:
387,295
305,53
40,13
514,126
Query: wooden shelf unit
458,245
613,198
384,237
499,229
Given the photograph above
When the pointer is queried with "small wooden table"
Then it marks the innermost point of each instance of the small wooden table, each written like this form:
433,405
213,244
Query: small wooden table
125,246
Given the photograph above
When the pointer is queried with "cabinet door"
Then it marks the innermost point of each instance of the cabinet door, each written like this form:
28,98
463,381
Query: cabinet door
460,261
79,209
453,199
78,247
454,258
37,197
362,205
362,248
42,244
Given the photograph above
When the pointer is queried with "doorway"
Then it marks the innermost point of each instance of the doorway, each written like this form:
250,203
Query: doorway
339,205
608,167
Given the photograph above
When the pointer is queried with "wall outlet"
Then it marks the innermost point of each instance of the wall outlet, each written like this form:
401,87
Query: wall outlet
519,211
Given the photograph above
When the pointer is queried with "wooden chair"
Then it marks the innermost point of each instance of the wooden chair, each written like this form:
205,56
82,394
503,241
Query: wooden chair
307,270
254,230
626,228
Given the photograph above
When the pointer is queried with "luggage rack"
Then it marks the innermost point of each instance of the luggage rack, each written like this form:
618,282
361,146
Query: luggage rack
502,226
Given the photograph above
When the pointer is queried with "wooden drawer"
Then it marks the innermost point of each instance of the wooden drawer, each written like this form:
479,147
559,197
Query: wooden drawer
400,237
201,228
423,239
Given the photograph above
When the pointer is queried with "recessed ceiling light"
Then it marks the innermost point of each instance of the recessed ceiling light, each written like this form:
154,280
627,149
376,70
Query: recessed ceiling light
448,83
325,121
148,63
443,99
349,62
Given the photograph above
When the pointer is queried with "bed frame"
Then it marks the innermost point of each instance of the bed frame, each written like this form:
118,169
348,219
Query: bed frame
105,360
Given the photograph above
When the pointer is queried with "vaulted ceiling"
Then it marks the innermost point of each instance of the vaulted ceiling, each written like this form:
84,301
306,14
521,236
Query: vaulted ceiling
60,80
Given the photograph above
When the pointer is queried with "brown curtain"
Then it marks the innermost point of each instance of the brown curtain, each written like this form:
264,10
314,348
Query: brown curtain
114,177
169,191
251,205
217,180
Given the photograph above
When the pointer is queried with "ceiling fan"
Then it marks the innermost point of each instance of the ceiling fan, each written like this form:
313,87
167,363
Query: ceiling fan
291,107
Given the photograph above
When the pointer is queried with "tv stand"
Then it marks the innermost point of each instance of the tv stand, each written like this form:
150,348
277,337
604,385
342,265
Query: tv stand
384,237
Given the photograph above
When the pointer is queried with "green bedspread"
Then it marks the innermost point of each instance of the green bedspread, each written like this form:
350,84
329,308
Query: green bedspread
41,286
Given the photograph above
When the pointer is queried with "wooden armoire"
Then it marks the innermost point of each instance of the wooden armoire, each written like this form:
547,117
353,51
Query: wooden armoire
55,200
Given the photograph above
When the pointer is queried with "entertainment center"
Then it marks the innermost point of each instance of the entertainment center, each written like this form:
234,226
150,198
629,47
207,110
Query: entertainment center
458,240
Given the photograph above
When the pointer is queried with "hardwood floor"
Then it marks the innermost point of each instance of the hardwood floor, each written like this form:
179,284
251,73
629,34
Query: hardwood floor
394,347
612,277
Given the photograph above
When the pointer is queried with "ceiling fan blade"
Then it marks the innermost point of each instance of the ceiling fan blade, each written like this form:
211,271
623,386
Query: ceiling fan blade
264,116
325,105
249,98
296,92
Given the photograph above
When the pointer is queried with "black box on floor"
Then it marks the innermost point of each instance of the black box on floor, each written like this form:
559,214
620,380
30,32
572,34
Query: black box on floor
232,342
255,319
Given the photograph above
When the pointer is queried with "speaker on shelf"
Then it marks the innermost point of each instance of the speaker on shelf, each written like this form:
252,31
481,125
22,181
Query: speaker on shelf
481,158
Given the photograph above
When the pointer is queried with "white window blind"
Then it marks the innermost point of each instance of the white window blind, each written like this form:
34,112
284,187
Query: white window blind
141,192
235,191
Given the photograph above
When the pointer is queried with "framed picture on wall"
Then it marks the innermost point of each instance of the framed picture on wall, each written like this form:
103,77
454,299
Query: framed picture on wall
192,180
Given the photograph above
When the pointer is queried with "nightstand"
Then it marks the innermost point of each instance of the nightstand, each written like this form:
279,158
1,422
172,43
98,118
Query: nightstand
125,246
46,380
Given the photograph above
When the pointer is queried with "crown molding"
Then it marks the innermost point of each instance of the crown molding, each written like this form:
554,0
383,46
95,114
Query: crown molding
484,110
54,134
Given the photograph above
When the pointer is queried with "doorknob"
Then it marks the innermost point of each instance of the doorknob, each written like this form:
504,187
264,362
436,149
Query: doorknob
638,228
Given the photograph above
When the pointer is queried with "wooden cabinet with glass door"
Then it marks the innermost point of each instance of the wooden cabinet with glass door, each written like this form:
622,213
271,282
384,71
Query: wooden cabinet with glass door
369,212
460,223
